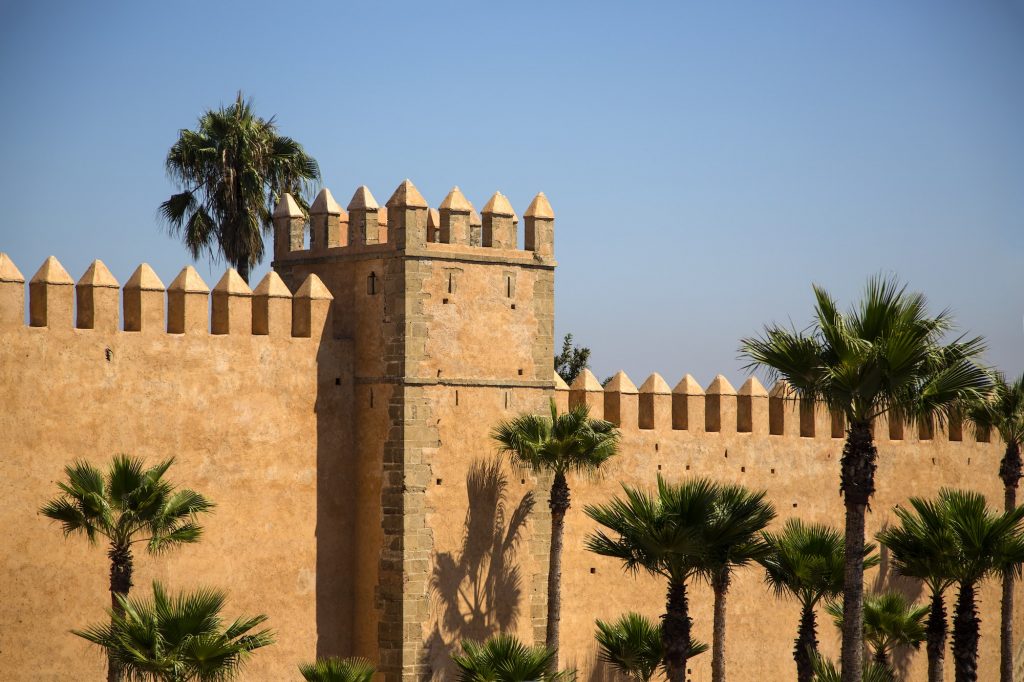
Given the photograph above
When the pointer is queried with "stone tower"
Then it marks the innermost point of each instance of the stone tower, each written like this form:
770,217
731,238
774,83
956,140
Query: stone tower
452,329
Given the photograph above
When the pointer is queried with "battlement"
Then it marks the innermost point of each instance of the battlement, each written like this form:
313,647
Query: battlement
720,408
407,223
271,309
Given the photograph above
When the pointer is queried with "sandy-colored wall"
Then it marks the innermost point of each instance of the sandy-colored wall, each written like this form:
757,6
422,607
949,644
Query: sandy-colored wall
259,424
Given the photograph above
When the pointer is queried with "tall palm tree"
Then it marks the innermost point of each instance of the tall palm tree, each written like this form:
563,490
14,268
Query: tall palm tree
1004,412
126,505
177,639
338,670
985,543
503,658
661,533
806,561
632,645
232,169
890,621
922,546
883,357
732,539
561,444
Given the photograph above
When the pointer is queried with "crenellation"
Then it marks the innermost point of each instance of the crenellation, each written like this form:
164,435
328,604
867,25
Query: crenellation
540,227
144,302
655,409
328,223
752,407
621,401
688,405
289,227
12,294
499,230
587,390
311,309
455,215
363,228
407,217
232,305
720,406
188,303
783,411
99,299
51,297
272,307
561,397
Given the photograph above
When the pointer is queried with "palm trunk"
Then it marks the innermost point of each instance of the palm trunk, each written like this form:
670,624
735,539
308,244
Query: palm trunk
720,585
1010,472
559,504
806,644
675,631
857,485
936,638
120,585
243,271
965,635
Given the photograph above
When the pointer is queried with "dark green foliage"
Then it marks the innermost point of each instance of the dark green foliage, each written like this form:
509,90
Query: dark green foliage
232,171
632,645
177,639
338,670
503,658
890,621
571,361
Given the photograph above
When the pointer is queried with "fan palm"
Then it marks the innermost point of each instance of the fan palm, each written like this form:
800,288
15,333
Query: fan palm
661,533
338,670
1004,412
826,671
732,539
503,658
561,444
985,543
177,639
232,169
126,505
922,547
632,645
884,357
806,561
890,621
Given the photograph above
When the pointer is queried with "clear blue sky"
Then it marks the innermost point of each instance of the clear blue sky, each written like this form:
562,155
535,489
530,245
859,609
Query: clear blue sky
706,161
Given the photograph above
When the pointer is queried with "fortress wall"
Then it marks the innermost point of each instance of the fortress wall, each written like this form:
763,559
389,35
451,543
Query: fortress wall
258,423
801,475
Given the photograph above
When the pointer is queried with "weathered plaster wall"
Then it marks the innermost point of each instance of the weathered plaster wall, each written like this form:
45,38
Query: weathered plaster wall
260,424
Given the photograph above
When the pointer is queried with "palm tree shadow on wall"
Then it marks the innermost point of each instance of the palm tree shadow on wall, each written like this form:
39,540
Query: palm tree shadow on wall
477,591
889,580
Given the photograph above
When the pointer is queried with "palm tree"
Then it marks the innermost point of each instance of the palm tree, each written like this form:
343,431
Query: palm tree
922,547
127,505
1004,411
985,543
883,357
890,621
632,645
232,169
732,539
561,444
503,658
662,533
177,639
806,561
338,670
826,671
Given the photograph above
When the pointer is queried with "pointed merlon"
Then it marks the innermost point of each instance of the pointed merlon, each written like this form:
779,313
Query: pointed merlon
98,276
52,272
498,205
720,386
407,195
325,203
475,219
189,281
456,202
433,218
144,279
9,272
688,386
753,388
560,384
313,288
781,389
287,207
586,381
272,286
540,208
655,384
620,383
232,284
362,200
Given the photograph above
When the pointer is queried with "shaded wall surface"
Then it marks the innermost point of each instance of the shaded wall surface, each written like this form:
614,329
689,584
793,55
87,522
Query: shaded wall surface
258,423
